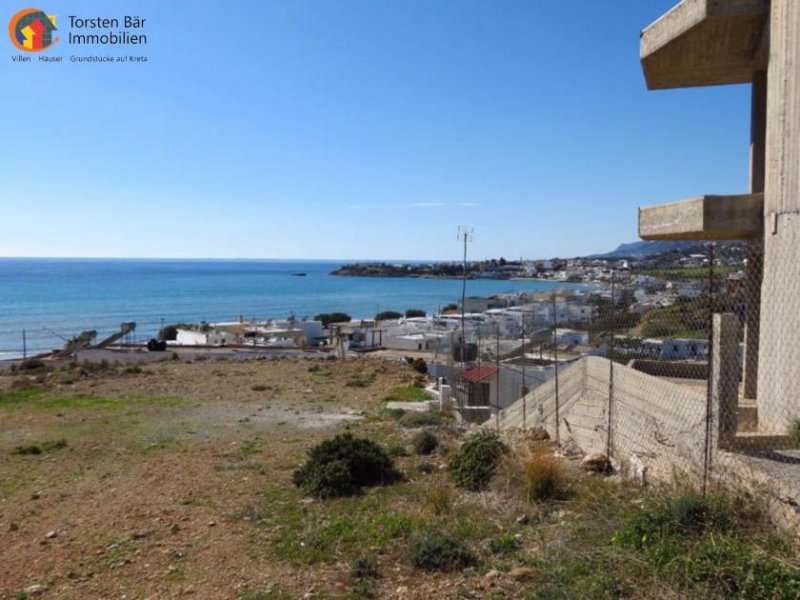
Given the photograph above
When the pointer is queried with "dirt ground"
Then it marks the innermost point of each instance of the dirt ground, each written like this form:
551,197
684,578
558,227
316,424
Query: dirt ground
151,494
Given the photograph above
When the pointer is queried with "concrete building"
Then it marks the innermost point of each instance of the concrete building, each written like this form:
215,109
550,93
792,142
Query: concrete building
757,42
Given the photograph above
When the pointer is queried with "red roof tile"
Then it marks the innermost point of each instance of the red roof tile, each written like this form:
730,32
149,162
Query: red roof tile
478,373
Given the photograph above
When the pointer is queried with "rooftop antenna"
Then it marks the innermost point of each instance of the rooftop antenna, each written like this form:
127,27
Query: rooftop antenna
465,236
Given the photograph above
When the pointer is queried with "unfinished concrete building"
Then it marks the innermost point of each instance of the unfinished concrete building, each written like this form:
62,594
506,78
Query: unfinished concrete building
718,42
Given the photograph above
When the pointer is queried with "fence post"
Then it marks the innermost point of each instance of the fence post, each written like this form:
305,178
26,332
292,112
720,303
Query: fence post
725,373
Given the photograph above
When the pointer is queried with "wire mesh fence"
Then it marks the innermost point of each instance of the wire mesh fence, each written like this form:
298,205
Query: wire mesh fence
666,366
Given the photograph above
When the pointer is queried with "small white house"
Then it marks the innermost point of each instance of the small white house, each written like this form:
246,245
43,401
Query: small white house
212,337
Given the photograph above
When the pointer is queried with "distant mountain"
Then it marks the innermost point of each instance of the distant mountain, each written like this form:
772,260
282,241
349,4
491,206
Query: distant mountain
644,249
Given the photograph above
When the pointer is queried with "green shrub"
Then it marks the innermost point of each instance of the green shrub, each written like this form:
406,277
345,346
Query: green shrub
343,465
472,468
363,566
425,442
437,552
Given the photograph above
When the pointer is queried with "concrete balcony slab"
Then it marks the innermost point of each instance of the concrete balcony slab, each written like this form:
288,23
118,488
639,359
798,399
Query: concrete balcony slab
704,218
705,42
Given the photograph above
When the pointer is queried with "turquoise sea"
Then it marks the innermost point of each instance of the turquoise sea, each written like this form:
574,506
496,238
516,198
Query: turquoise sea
50,298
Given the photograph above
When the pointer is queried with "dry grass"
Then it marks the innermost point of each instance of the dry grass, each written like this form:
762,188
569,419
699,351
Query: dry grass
534,474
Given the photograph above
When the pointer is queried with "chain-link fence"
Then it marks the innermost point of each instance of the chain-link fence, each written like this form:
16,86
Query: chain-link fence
668,368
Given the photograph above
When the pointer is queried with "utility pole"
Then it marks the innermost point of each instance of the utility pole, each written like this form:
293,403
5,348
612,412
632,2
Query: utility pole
555,364
524,391
24,346
465,236
497,382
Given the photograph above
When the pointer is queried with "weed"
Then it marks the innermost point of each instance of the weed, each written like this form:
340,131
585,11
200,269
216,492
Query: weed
363,566
343,465
397,450
794,431
45,447
437,552
176,574
133,369
427,468
473,467
363,589
258,387
440,499
505,544
424,442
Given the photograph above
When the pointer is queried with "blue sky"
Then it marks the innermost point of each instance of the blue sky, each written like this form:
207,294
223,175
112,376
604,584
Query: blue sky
355,129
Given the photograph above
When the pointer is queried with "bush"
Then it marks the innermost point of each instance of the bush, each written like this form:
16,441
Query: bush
168,333
424,442
415,312
437,552
31,364
334,317
344,465
388,315
418,364
473,467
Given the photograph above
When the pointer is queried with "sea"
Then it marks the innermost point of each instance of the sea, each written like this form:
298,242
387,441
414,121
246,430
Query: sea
55,299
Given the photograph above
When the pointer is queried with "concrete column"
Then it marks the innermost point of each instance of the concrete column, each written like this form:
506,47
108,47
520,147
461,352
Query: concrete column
725,377
779,341
755,248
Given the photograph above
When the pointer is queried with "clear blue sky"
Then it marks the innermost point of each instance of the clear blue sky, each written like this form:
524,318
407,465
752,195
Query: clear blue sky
355,129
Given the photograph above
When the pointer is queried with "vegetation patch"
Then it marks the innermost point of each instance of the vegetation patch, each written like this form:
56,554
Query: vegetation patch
475,464
437,552
424,442
693,540
407,393
536,475
363,566
505,544
43,448
343,466
413,419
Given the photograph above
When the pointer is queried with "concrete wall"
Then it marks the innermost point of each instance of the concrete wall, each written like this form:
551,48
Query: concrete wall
779,341
656,425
